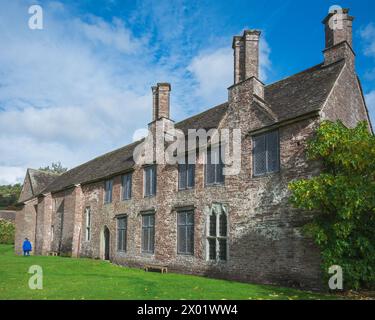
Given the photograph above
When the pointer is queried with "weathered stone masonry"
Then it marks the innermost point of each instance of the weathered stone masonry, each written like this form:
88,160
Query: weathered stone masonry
264,239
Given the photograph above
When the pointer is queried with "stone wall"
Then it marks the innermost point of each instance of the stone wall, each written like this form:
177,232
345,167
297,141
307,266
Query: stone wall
265,243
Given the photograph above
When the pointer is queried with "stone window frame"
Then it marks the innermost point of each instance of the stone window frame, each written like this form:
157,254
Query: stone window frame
217,209
207,152
191,211
149,228
108,193
125,230
153,184
265,135
88,223
186,186
129,195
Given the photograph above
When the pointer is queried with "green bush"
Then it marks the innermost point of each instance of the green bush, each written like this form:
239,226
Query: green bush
343,199
7,231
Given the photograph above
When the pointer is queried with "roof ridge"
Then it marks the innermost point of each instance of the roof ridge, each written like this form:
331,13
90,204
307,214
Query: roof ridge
45,172
103,155
201,113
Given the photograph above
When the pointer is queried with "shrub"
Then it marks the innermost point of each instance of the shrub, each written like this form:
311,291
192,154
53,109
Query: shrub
7,231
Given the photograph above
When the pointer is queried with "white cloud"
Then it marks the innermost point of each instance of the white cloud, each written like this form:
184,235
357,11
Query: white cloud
368,35
213,71
66,91
81,86
11,175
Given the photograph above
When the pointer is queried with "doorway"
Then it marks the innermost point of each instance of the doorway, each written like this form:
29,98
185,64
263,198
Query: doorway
105,243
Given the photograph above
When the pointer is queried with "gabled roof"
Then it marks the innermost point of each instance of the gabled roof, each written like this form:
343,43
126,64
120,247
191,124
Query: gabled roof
303,92
294,96
35,182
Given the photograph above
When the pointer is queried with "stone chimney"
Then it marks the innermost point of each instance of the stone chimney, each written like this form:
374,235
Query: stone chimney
160,101
338,36
246,55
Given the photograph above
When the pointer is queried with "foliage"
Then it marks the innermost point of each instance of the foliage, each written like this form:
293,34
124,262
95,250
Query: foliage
9,195
56,167
343,197
7,231
66,278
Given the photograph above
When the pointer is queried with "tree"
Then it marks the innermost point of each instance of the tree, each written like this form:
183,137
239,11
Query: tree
56,167
343,200
9,195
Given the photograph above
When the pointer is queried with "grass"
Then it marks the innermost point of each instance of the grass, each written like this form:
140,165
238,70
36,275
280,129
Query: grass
68,278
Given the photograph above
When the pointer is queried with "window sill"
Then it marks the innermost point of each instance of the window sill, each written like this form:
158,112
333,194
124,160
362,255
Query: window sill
215,185
147,197
217,262
185,254
268,174
186,189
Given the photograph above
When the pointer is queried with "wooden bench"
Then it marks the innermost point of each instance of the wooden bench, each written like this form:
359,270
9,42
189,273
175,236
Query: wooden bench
161,269
52,253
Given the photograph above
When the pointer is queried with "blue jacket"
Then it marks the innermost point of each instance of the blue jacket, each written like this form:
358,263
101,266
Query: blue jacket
26,246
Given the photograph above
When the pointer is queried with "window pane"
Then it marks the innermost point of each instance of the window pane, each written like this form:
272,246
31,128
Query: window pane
181,239
182,176
147,182
152,220
152,239
272,151
190,218
212,231
223,249
181,218
145,241
190,239
126,186
223,225
212,249
120,240
259,155
191,176
153,178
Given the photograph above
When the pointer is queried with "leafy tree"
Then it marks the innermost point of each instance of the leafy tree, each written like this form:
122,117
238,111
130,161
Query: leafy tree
9,195
56,167
7,231
343,197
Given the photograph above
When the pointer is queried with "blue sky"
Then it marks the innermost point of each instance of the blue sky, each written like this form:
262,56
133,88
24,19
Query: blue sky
81,86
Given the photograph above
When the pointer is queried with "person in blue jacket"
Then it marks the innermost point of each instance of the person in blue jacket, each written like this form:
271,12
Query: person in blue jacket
26,247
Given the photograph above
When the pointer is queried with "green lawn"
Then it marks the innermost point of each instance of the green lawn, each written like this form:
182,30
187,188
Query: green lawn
67,278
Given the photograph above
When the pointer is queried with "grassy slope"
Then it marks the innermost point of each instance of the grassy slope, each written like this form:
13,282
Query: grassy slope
66,278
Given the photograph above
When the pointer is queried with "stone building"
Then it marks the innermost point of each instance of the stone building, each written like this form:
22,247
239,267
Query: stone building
192,218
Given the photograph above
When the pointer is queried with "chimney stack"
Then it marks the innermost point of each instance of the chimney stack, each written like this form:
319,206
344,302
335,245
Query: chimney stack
160,101
338,36
246,55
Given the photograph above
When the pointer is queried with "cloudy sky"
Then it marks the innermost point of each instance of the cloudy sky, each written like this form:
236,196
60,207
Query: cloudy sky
81,86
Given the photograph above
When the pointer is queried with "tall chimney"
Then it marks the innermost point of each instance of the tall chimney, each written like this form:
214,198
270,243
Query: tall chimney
160,101
338,36
246,55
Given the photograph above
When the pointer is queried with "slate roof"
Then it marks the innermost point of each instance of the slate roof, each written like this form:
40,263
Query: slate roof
39,180
294,96
303,92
